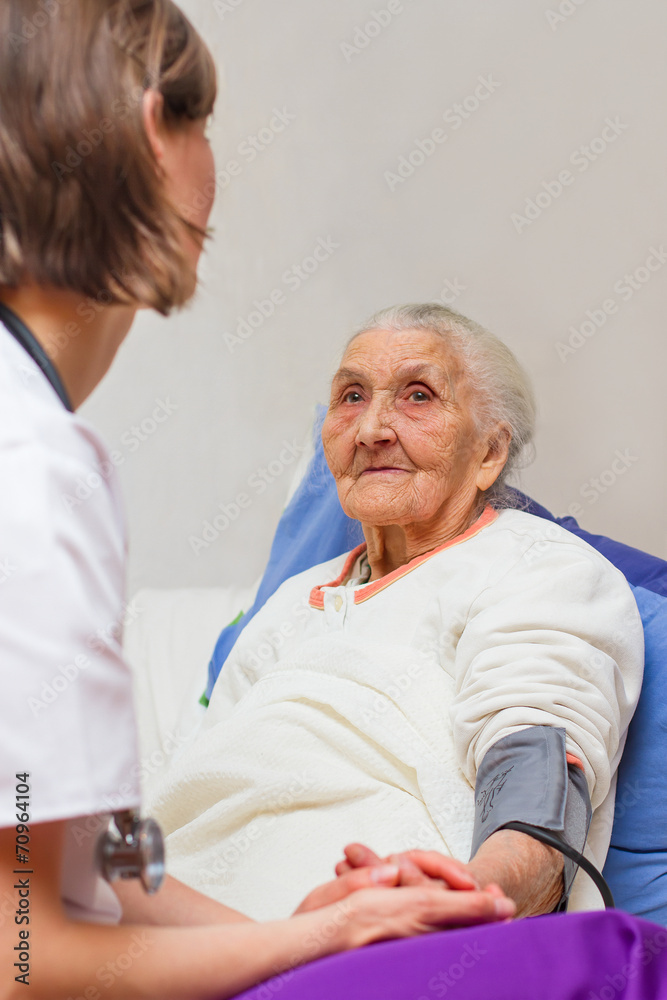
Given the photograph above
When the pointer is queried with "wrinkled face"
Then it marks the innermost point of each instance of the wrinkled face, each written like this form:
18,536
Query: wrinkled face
399,435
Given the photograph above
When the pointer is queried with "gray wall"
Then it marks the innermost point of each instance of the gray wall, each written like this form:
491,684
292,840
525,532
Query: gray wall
354,103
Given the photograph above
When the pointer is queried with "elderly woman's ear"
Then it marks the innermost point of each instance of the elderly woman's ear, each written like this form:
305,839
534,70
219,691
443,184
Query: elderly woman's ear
495,459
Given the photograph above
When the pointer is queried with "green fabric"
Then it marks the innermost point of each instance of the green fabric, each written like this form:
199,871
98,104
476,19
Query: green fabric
204,700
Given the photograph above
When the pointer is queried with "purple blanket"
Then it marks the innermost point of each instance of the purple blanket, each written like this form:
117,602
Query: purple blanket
579,956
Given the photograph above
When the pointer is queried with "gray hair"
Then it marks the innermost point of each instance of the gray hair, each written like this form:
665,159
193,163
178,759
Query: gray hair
501,389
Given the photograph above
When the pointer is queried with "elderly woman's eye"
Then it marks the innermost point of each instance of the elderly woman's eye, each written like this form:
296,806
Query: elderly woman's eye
419,396
352,397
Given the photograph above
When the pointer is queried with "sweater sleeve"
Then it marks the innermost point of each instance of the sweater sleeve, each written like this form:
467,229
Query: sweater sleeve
555,640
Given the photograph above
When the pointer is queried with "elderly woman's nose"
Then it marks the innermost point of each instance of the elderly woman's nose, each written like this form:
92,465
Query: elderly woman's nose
375,425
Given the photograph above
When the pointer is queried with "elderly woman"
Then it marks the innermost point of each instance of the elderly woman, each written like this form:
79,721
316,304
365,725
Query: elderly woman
466,667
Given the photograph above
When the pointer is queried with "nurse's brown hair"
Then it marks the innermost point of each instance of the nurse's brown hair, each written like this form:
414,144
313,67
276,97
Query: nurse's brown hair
83,205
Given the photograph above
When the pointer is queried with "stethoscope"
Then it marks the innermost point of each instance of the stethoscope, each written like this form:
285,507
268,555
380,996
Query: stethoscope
130,847
32,346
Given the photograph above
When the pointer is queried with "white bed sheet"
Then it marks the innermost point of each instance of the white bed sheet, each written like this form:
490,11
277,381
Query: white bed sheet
169,638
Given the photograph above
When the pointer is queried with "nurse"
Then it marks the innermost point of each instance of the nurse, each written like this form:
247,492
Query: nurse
106,185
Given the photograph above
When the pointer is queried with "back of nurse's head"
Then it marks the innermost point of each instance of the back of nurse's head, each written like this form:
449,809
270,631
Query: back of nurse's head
82,203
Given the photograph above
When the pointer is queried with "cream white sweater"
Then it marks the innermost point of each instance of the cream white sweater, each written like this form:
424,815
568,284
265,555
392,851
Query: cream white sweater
361,713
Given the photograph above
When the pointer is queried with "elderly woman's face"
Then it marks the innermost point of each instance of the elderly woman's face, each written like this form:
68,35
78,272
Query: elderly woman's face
399,436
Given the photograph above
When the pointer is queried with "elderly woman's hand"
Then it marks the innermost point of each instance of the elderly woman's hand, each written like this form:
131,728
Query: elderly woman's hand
415,867
509,865
366,877
363,869
362,914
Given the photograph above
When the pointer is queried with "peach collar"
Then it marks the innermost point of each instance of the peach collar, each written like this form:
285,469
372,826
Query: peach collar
363,593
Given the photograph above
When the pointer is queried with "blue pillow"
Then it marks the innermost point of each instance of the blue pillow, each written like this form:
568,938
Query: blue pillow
639,568
314,528
636,866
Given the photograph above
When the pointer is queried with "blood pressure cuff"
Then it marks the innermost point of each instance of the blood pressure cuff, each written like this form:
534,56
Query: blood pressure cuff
525,777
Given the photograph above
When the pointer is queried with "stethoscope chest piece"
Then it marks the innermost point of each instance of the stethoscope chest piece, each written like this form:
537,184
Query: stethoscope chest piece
132,848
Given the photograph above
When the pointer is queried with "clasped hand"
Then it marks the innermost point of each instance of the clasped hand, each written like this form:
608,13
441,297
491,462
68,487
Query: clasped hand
429,891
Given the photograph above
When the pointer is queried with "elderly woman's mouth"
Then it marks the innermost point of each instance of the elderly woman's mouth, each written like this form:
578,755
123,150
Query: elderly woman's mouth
383,468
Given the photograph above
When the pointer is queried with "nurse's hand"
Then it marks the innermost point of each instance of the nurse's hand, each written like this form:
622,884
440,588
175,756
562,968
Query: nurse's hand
354,880
406,911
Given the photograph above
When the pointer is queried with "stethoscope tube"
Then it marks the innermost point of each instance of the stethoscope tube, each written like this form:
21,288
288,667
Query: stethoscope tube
130,847
546,837
32,346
